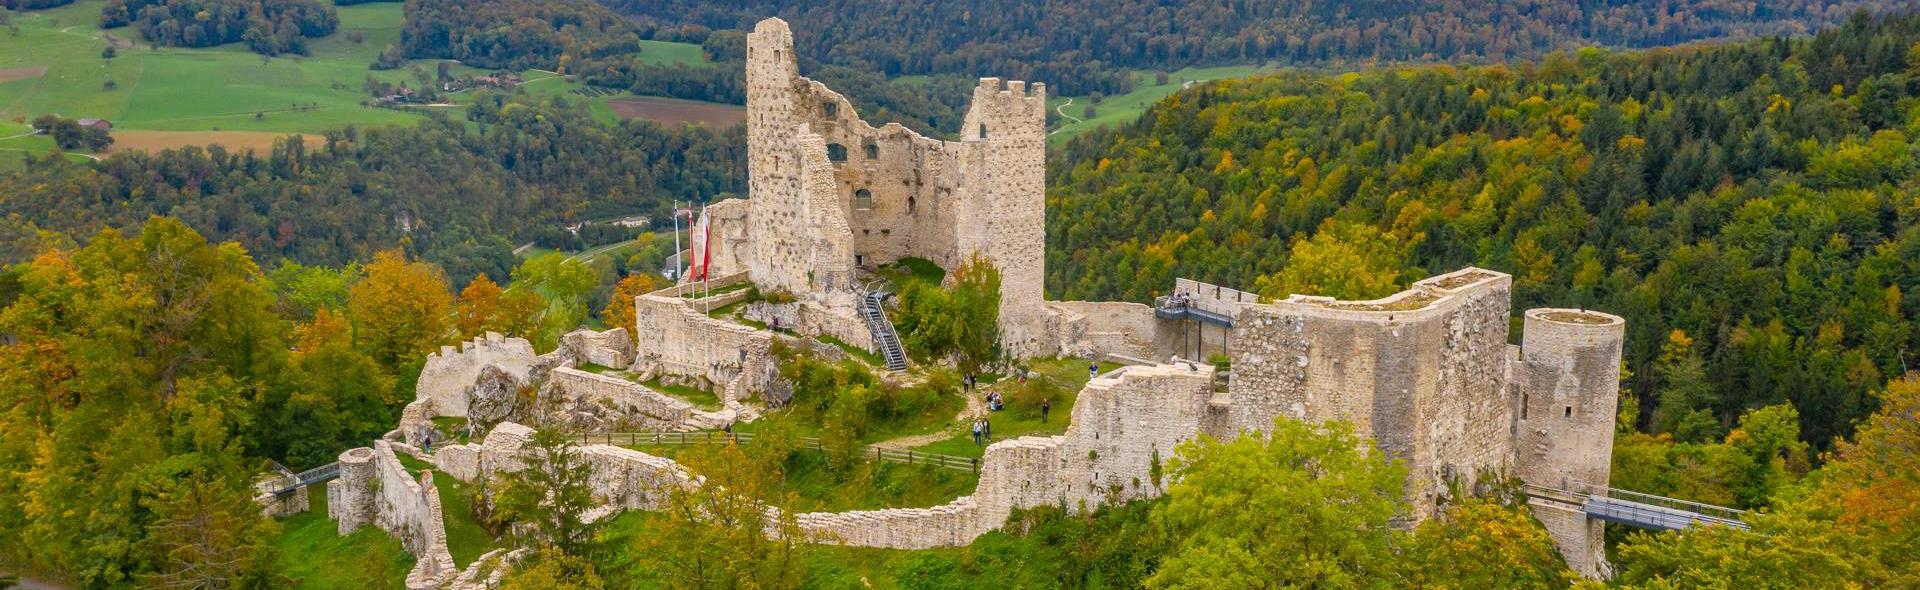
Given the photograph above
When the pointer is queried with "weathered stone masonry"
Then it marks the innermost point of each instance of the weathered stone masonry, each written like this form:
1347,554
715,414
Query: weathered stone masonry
831,193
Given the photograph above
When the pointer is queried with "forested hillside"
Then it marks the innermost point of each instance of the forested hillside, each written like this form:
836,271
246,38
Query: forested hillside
1751,209
270,27
459,193
1083,46
514,34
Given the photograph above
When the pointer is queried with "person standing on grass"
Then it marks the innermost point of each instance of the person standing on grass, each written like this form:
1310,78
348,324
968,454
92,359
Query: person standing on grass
1046,405
986,428
1093,369
976,432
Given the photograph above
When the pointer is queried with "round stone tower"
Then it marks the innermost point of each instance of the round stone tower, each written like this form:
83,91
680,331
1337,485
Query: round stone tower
1567,393
350,496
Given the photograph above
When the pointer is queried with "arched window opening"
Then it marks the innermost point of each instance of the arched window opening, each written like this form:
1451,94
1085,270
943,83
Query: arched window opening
836,152
862,199
873,151
909,205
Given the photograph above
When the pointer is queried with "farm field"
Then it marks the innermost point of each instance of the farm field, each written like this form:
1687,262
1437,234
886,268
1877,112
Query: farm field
668,111
1116,110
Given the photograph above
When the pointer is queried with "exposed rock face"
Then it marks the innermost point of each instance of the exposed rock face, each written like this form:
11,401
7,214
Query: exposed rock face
495,396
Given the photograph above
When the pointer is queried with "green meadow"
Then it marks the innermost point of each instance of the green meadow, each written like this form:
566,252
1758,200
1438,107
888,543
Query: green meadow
1116,110
180,89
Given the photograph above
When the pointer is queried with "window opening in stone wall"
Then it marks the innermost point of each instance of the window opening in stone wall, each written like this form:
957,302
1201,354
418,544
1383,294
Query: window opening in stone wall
836,152
983,131
1569,411
909,205
832,108
1523,405
862,199
873,151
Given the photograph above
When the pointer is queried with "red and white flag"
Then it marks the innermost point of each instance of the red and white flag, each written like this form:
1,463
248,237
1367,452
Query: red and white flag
700,233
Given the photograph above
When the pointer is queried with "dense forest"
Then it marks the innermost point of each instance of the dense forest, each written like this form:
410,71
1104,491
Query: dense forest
1083,46
514,34
1750,209
270,27
516,166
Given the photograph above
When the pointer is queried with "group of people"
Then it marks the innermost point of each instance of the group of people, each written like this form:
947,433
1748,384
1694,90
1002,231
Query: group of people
982,430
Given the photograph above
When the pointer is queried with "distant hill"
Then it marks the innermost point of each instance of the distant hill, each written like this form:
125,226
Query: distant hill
1080,46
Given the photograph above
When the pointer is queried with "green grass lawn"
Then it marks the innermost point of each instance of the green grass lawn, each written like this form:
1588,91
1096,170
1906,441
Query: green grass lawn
313,552
705,400
200,89
668,52
1068,373
870,485
911,270
863,354
1115,110
466,540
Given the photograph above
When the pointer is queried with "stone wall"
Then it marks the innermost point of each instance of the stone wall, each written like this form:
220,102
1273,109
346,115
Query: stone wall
612,348
1566,384
447,374
641,406
374,488
1419,372
1098,329
1123,422
680,339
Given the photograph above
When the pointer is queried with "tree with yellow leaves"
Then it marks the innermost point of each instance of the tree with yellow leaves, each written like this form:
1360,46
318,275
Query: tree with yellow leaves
402,310
619,311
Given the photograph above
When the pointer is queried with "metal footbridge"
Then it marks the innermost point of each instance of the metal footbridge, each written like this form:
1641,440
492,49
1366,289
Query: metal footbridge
1185,308
1634,509
309,477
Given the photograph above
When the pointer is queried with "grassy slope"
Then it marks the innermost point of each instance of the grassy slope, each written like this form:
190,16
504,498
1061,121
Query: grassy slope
1069,373
465,539
668,52
1115,110
177,89
313,552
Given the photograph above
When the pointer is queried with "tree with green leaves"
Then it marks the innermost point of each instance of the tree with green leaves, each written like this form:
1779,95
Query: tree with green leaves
1344,260
1298,506
563,283
550,496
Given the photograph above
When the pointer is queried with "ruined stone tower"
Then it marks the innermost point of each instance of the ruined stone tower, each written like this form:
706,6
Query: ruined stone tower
1566,387
830,193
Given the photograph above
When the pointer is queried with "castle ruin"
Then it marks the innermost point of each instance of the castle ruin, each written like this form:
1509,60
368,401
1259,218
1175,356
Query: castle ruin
1428,375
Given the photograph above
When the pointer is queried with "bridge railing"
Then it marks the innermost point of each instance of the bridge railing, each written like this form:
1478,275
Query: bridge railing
1710,510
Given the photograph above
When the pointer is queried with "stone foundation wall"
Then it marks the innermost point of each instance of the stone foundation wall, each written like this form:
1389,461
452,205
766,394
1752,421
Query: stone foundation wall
644,408
1096,329
612,348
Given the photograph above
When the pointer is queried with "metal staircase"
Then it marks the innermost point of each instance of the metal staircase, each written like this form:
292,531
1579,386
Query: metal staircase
884,337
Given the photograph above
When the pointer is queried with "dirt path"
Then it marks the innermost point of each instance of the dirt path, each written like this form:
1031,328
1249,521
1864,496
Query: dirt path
908,442
1063,114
